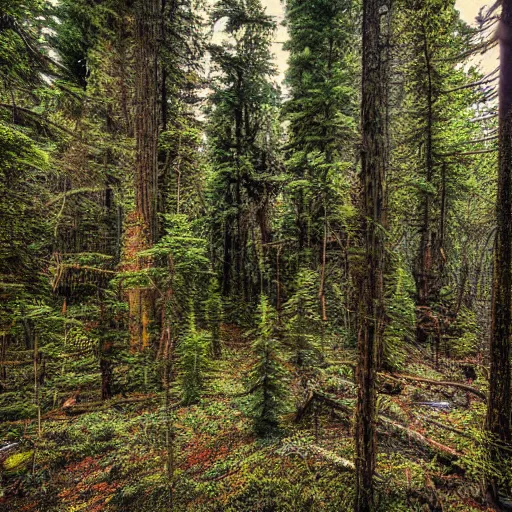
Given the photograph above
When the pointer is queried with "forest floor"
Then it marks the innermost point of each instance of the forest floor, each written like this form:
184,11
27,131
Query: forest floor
116,458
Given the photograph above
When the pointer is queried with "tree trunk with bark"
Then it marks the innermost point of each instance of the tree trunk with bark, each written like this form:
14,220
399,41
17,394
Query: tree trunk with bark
499,403
371,303
426,287
143,231
147,28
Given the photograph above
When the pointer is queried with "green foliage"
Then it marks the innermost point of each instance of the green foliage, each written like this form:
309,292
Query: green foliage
432,124
322,115
467,340
302,323
180,268
184,253
18,461
399,330
248,200
18,411
243,136
193,362
267,377
213,313
24,233
76,26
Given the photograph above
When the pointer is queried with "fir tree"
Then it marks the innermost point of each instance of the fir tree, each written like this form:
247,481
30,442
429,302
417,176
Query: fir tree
322,116
193,362
213,306
267,376
242,142
302,322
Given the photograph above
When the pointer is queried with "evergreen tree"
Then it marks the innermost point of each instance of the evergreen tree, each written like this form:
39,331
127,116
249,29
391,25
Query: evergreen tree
322,115
267,377
400,328
437,106
213,306
302,323
242,143
500,400
193,362
139,231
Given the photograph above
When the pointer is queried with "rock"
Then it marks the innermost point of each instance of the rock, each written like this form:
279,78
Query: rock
436,405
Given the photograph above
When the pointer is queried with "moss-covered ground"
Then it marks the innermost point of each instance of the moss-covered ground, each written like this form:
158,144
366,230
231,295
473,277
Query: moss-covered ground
118,458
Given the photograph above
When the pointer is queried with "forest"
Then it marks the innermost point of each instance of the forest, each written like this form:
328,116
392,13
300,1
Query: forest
226,286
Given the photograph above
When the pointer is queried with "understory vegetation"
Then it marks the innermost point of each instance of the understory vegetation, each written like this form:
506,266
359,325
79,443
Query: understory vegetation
224,291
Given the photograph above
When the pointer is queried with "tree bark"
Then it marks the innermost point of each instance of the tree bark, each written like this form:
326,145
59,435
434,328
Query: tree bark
146,113
499,403
371,293
425,265
443,383
143,232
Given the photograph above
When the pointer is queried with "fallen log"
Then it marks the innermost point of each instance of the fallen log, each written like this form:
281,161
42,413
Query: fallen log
442,383
305,407
85,407
318,451
7,450
444,406
447,452
313,450
447,427
322,398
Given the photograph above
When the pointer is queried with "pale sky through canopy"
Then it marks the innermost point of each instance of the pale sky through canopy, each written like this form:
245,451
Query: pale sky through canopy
467,8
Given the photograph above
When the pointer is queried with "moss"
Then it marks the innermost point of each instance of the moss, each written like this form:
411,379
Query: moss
18,411
18,461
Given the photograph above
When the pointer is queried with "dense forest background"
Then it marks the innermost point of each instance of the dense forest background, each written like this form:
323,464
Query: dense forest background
223,293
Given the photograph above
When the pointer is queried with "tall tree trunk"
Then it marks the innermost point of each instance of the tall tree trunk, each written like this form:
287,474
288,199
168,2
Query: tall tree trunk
227,260
499,403
239,245
425,251
144,229
146,113
106,350
371,308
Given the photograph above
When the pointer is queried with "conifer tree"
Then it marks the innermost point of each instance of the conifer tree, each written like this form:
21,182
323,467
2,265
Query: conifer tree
322,113
242,143
193,362
143,230
213,307
267,376
437,105
302,321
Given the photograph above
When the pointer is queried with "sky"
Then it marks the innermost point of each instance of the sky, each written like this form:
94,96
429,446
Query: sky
467,8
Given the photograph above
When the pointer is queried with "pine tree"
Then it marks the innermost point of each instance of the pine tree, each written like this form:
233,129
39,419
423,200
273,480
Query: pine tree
437,106
267,376
242,143
193,362
400,327
302,322
213,308
322,115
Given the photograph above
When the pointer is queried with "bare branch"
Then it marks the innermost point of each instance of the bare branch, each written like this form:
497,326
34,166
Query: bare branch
484,81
